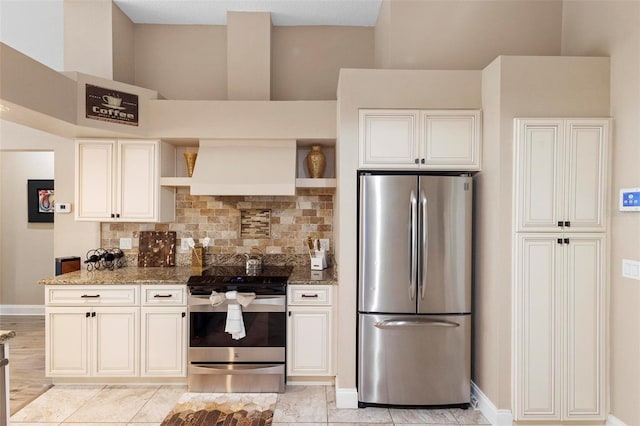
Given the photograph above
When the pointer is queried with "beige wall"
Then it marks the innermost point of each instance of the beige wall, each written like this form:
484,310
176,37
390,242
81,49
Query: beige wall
123,52
248,55
393,89
306,61
612,28
26,262
88,37
182,61
27,248
464,34
516,86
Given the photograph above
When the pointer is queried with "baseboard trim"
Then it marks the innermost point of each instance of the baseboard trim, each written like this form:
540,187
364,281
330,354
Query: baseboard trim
22,310
346,397
614,421
488,409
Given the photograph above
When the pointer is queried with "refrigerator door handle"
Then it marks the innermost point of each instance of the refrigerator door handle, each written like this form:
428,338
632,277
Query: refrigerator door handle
424,244
413,255
418,322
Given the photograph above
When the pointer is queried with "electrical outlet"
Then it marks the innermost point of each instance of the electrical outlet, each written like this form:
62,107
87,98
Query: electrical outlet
324,244
126,243
184,244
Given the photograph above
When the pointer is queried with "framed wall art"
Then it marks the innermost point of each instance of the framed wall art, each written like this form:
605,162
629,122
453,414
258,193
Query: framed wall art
40,200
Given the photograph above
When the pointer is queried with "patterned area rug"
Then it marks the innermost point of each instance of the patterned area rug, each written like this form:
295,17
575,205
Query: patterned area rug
233,409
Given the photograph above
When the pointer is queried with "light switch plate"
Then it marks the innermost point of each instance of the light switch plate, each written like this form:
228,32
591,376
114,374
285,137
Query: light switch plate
631,269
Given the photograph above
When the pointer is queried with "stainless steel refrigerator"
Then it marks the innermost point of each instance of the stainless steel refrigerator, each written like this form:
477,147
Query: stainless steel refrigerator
414,289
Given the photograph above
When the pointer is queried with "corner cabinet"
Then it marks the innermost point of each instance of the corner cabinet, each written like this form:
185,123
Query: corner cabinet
119,180
419,139
310,330
560,273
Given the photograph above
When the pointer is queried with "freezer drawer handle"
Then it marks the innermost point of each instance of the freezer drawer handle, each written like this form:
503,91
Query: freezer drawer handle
423,322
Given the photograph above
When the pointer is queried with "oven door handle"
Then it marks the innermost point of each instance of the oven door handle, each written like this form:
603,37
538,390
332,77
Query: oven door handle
262,300
236,369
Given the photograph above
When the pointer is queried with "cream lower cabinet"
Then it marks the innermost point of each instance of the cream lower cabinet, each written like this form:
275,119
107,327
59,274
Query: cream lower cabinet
163,331
101,331
92,341
310,331
560,314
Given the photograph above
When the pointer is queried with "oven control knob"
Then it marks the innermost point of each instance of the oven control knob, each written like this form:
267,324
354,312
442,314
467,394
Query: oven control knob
237,280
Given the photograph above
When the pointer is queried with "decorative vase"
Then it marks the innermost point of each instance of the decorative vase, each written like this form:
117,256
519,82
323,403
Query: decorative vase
316,162
190,158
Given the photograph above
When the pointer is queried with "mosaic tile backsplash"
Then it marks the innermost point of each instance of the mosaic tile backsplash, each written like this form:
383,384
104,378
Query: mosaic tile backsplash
291,219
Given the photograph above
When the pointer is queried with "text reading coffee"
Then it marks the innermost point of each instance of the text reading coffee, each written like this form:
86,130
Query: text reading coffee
111,105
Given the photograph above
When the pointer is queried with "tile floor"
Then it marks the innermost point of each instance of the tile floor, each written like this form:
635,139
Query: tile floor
118,405
126,405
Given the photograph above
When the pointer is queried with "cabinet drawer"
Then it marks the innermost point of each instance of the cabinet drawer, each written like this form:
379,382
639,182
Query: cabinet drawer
153,295
91,295
309,295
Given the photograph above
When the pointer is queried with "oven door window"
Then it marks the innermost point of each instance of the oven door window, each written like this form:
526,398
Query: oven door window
263,329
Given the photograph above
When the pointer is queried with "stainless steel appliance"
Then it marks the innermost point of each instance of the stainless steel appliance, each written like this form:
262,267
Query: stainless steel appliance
4,385
255,363
414,289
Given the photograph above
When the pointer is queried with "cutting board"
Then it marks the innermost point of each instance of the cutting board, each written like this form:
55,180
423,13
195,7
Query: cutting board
157,248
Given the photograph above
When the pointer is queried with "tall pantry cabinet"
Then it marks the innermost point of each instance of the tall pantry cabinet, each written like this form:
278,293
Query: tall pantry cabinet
560,247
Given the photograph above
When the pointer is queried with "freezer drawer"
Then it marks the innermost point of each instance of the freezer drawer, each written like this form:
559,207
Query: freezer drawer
414,359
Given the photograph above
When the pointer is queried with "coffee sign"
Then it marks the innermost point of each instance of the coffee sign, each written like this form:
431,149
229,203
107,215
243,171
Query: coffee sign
111,105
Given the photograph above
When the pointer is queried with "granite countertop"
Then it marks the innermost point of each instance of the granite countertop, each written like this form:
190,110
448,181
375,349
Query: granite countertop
6,335
171,275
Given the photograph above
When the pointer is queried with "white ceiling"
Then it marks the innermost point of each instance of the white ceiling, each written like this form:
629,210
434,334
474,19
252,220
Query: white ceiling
283,12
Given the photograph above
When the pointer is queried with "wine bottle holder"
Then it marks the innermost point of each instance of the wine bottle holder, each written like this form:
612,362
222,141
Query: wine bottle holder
103,259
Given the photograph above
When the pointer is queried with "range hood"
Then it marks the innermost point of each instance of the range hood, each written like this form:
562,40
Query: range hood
245,167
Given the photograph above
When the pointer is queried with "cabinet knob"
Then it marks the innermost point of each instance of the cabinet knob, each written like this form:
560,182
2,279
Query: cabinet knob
184,314
560,223
422,161
113,215
559,240
567,224
417,161
566,241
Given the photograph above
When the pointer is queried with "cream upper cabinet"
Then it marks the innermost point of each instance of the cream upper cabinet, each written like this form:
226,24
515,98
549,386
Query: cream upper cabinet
559,355
120,180
419,139
450,140
561,169
389,138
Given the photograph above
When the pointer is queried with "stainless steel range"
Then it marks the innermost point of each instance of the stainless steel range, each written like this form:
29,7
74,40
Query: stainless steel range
254,363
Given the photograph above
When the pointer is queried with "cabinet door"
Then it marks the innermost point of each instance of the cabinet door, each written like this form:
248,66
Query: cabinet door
94,180
450,140
67,342
538,276
388,139
115,333
586,151
584,381
539,173
163,341
137,180
309,341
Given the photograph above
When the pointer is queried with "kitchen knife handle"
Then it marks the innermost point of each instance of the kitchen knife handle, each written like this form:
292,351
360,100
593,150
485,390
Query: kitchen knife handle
413,255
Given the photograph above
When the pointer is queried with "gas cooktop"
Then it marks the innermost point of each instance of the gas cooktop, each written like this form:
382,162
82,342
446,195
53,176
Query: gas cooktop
268,279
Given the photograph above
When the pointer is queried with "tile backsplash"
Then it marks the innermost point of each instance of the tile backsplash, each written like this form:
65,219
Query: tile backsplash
291,219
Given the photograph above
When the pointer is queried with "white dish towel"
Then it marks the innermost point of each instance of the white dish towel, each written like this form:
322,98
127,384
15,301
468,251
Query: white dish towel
234,324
